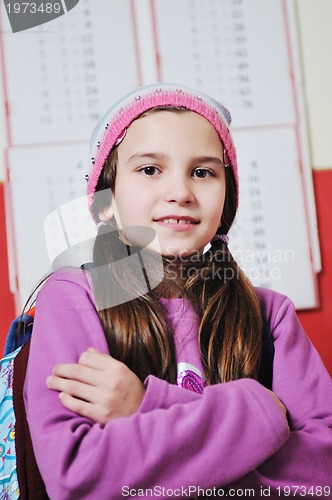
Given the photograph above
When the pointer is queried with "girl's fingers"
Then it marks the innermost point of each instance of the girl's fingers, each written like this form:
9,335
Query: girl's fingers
96,413
96,360
279,403
73,404
106,391
78,372
94,369
92,349
74,388
83,408
88,368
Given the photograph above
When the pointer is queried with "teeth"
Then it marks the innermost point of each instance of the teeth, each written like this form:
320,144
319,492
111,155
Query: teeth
177,221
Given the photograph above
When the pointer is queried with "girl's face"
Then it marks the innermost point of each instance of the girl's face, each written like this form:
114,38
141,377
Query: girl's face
170,177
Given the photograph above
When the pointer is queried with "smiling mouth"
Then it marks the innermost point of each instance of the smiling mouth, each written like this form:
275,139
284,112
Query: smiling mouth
177,221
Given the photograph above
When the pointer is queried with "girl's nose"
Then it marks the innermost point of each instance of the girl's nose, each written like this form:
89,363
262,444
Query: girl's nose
179,191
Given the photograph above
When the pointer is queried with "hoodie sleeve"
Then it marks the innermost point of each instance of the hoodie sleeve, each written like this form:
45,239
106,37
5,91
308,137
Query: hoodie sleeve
302,383
176,440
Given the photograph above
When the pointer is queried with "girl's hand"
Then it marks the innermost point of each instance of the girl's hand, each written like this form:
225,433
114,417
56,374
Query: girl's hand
97,387
279,403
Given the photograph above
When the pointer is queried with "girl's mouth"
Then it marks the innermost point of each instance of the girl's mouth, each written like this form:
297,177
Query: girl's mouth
177,219
177,223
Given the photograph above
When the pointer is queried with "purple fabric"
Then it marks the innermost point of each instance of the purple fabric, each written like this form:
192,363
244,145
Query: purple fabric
233,434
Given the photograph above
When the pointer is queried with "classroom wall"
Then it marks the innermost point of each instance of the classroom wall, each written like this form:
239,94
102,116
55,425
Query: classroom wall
315,40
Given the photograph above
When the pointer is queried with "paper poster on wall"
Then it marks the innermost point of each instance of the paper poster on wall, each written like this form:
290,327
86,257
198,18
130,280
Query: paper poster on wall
263,239
76,66
62,75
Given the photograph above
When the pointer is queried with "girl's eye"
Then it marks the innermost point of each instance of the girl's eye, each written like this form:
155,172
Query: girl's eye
149,170
202,173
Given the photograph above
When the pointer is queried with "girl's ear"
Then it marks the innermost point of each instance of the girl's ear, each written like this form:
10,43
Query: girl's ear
106,214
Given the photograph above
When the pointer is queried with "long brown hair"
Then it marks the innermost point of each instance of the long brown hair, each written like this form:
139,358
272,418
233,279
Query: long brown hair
230,328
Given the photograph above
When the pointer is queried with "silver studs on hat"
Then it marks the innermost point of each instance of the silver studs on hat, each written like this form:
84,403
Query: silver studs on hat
86,177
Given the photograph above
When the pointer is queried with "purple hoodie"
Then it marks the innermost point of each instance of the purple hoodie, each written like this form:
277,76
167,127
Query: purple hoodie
180,443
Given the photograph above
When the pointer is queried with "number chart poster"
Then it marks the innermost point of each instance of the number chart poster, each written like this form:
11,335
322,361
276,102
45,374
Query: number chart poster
59,77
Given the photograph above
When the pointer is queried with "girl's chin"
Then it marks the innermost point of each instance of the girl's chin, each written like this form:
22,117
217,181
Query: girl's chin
178,253
174,251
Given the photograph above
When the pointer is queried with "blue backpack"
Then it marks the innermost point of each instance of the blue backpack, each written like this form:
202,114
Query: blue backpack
19,474
8,472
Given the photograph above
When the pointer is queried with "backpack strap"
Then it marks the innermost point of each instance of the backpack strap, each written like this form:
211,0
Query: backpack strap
20,331
265,373
30,481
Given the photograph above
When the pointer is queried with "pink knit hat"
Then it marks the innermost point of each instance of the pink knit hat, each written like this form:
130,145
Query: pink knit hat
112,127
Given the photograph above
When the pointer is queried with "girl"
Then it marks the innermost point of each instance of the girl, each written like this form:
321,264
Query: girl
105,392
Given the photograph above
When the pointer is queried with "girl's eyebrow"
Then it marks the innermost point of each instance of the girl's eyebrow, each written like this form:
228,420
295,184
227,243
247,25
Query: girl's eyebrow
153,156
161,156
208,159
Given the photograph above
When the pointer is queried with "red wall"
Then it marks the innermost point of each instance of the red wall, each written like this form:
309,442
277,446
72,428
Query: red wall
317,323
7,309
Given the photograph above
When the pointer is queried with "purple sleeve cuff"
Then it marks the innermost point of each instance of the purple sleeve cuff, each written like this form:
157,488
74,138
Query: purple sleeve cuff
161,394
